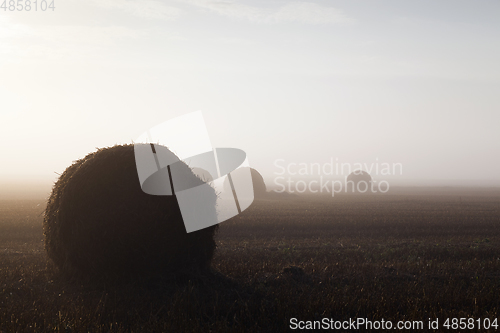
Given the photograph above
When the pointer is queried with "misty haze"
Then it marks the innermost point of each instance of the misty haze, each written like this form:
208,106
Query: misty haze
367,196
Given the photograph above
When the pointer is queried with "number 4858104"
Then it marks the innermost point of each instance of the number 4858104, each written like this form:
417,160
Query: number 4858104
27,5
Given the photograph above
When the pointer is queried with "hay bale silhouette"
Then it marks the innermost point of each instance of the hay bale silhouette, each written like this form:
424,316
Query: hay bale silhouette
358,181
259,186
202,174
98,222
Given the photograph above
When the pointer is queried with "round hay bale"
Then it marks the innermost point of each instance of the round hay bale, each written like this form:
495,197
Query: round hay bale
259,186
359,182
98,221
202,174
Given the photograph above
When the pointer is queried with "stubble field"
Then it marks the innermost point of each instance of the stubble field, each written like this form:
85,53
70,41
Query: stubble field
408,255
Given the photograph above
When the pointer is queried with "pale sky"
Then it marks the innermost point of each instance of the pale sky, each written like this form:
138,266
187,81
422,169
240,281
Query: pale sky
410,82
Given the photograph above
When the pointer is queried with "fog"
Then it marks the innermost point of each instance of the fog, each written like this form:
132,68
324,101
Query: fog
414,83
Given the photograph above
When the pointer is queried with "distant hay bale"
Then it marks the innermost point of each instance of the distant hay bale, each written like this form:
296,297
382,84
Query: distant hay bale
259,186
359,182
98,221
202,174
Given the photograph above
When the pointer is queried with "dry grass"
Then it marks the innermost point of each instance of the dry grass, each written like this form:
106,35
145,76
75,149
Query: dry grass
401,257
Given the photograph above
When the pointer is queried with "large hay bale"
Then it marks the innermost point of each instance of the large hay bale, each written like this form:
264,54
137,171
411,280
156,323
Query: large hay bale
98,221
